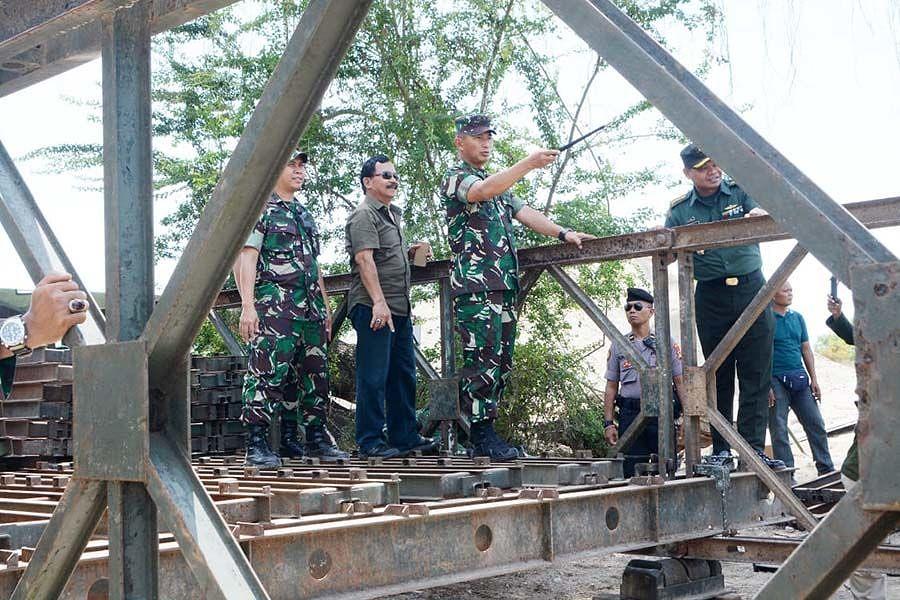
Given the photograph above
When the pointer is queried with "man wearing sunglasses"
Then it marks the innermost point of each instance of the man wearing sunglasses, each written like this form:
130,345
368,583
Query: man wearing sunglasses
727,280
381,313
623,385
287,322
485,274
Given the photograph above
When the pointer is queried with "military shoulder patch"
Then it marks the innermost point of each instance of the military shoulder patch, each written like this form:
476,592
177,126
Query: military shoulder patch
678,200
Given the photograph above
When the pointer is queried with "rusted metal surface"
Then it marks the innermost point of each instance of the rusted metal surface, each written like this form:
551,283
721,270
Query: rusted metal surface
365,551
57,35
766,550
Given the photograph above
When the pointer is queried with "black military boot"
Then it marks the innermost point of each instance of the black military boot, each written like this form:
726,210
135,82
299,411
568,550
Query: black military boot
258,452
290,445
320,444
486,442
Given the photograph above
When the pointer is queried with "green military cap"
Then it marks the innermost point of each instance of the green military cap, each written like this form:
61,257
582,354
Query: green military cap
693,157
473,124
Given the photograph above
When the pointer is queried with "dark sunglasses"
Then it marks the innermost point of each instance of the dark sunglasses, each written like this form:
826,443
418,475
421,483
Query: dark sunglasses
638,306
388,175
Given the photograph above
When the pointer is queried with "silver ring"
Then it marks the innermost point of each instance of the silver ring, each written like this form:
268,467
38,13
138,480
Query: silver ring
77,305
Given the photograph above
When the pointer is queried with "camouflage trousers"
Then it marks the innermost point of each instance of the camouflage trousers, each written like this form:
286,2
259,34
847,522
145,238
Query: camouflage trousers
487,328
287,371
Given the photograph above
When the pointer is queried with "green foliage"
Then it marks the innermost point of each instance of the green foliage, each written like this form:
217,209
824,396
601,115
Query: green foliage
551,402
834,348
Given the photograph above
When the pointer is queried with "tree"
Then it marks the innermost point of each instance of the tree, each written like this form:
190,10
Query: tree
414,66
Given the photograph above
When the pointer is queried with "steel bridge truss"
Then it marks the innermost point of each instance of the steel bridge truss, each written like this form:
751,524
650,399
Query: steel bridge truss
132,453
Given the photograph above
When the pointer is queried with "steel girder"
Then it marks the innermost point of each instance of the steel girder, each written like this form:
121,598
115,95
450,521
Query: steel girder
874,214
53,36
367,556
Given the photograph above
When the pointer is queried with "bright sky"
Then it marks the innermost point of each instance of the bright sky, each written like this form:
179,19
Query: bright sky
820,79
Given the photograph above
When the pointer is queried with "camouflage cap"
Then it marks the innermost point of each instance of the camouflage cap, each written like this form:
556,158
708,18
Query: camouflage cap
474,124
693,157
299,155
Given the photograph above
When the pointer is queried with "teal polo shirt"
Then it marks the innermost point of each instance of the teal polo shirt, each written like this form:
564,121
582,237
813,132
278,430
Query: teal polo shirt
790,333
730,202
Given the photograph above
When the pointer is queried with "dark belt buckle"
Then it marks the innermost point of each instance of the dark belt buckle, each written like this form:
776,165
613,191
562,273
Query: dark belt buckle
731,281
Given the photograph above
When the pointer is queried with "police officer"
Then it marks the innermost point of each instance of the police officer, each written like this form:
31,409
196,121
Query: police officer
727,279
485,273
623,385
286,319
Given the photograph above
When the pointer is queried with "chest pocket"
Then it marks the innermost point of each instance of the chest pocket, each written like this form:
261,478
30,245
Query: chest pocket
627,372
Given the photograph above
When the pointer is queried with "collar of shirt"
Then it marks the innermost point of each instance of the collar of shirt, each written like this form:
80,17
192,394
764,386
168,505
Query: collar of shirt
709,200
480,172
389,210
276,198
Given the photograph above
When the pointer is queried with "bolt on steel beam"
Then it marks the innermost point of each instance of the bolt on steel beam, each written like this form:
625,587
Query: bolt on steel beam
781,188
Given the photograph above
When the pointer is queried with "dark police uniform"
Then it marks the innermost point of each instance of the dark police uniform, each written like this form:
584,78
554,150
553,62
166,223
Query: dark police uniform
727,279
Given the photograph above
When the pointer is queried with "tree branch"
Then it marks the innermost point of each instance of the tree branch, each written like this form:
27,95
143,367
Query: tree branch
486,86
568,155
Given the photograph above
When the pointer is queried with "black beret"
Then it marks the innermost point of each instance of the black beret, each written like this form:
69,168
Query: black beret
638,294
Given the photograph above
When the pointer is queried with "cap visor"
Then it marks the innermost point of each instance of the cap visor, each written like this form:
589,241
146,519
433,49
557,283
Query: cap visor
700,163
478,130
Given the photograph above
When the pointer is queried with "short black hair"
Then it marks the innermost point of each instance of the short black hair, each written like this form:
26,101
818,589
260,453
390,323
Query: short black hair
368,168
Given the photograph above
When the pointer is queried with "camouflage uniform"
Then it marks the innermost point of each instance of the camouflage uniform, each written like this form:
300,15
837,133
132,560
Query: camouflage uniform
485,282
287,367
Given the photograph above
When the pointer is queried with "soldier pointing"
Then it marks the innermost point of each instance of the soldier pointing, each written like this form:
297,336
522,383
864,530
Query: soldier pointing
484,279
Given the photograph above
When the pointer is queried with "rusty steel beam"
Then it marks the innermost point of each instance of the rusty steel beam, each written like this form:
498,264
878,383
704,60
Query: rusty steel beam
751,230
769,551
43,38
361,556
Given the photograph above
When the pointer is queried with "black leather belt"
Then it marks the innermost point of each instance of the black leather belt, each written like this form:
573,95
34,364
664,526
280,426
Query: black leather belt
734,280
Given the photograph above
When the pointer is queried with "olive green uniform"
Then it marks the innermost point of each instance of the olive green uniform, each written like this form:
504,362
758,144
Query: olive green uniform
727,280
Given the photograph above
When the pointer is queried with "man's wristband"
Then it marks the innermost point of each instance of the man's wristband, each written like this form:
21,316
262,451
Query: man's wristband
608,423
562,233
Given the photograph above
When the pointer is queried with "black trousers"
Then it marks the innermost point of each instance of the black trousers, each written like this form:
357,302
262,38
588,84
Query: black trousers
718,306
646,443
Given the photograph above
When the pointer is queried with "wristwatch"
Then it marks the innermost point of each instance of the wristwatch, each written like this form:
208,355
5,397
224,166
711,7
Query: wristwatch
14,335
608,423
562,233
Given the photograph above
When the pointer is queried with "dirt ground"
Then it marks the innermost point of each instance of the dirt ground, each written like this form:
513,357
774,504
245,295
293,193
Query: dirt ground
597,576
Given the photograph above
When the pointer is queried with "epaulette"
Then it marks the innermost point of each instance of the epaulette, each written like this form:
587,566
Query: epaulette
678,200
